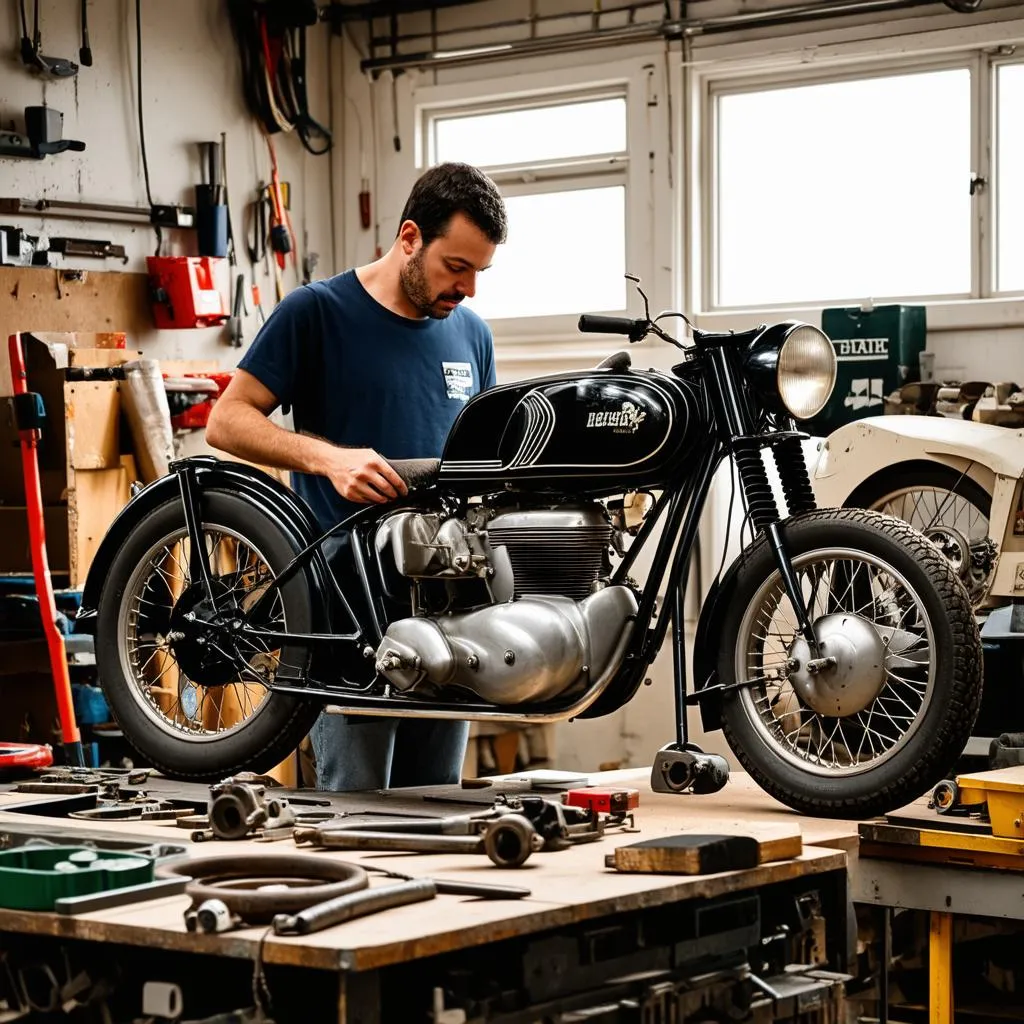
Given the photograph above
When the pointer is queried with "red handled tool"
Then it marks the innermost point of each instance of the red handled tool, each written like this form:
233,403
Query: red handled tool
29,413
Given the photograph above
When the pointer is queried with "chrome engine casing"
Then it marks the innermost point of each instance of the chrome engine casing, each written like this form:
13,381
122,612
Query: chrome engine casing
543,621
532,649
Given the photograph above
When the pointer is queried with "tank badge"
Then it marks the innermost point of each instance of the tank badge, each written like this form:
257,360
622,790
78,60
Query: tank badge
626,420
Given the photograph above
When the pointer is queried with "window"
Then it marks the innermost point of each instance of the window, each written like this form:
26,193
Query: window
562,167
1009,191
846,189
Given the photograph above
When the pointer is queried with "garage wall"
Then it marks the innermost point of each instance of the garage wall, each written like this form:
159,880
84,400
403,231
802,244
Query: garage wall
191,92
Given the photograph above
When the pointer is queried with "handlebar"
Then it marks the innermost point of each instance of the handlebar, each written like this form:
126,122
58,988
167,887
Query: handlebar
590,324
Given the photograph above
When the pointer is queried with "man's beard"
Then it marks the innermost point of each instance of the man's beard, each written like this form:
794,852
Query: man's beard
414,283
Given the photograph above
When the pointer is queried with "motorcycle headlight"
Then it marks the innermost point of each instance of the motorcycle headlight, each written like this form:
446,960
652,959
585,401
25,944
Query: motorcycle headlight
793,365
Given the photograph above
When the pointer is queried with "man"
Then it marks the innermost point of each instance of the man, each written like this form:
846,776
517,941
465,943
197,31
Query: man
376,363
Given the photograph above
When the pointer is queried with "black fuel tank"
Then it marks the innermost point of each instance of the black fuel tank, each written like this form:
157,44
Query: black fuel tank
591,430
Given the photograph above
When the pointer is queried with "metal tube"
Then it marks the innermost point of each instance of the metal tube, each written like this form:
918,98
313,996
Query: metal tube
635,32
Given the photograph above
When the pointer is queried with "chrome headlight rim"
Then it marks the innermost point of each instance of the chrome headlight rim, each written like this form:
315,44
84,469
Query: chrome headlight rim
795,333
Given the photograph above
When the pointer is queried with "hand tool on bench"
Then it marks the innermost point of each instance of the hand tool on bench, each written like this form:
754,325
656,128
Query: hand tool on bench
508,840
356,904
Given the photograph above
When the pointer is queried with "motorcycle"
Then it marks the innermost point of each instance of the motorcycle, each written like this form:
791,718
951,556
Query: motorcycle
838,653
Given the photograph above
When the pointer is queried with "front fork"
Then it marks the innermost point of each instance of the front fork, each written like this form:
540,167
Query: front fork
764,512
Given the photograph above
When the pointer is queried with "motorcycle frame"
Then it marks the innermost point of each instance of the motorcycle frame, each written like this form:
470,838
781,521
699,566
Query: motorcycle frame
682,502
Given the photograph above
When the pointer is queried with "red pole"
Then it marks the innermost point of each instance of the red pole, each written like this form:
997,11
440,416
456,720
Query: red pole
30,434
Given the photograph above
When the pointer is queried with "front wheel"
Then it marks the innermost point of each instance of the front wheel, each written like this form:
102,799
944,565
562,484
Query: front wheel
882,710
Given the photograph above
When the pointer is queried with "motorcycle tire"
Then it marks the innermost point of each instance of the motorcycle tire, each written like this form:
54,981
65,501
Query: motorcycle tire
937,732
279,722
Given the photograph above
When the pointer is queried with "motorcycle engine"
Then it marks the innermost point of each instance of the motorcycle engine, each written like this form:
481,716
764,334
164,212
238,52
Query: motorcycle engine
525,613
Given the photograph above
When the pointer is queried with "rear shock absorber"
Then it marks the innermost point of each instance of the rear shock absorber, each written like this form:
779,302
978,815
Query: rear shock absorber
796,483
760,499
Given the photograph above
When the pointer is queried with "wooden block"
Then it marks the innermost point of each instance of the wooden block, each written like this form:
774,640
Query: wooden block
101,357
92,414
98,495
693,853
686,854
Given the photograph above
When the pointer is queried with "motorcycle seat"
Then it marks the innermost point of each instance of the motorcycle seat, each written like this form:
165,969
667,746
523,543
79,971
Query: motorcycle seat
417,473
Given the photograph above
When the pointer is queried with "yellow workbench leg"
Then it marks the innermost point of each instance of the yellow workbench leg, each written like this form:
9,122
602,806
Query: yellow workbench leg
940,969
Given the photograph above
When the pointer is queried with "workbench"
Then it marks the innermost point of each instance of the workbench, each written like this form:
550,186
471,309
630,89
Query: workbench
582,926
948,866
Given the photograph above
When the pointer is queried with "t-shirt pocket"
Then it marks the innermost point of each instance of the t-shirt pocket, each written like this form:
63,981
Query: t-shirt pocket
458,381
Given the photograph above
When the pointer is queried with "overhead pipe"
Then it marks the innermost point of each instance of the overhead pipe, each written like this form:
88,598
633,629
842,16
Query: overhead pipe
634,33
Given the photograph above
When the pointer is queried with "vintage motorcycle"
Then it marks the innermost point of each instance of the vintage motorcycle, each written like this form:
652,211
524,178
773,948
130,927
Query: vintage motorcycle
839,652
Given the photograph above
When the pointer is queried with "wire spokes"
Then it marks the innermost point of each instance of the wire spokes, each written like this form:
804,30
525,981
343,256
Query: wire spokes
199,708
837,585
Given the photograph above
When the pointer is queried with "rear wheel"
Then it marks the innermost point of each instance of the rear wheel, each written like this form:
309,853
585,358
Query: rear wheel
190,704
883,709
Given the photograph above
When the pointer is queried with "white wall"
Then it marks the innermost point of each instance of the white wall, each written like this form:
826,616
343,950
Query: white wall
191,92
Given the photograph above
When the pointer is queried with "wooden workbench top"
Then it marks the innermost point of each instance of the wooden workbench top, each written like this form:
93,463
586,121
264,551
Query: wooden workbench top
566,886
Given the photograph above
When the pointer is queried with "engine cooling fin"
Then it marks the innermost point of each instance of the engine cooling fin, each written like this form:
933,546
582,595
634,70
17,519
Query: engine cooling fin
555,560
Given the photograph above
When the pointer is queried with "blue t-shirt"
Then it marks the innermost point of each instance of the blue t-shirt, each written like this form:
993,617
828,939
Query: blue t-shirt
387,382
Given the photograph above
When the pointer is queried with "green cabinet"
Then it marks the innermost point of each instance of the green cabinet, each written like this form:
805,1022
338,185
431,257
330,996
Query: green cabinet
877,351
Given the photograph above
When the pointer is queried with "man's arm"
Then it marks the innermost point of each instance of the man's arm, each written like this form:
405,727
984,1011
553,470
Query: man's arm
239,425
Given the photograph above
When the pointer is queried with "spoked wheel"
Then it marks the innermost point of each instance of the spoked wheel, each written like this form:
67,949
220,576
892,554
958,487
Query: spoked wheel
191,700
884,705
195,685
950,509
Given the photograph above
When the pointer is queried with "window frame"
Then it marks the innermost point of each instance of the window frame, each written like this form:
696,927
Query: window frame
826,57
710,248
626,78
991,115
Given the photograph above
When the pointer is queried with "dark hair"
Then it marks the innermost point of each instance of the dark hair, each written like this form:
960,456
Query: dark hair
453,188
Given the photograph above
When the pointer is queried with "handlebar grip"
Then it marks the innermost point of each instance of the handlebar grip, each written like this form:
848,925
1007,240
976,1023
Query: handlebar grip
590,324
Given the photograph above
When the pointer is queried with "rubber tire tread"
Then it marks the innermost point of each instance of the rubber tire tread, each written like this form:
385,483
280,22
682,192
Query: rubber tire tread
282,723
956,700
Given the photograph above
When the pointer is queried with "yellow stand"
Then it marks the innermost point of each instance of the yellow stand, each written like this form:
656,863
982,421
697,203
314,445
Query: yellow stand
940,968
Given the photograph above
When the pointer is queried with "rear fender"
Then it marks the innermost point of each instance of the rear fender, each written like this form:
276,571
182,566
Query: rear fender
278,503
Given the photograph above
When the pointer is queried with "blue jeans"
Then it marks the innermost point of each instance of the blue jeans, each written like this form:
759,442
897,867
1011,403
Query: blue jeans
362,752
366,752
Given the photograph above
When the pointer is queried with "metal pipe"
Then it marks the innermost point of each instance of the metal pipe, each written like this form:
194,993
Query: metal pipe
636,32
529,20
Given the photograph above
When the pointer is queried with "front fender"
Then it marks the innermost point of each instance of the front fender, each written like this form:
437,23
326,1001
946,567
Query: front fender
855,453
279,503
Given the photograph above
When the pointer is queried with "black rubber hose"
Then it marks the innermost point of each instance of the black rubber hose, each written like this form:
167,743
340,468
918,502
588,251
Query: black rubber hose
235,880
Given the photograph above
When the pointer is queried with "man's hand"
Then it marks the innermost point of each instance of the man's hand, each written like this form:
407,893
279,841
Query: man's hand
360,474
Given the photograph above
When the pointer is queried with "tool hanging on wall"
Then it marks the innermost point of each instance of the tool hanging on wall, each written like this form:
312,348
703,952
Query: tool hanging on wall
271,40
42,137
31,49
211,207
85,51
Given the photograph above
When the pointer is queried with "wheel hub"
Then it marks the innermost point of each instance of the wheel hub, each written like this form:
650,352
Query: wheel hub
954,546
846,673
194,644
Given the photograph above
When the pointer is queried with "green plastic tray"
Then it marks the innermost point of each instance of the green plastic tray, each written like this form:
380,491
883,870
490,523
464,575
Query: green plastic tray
29,879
